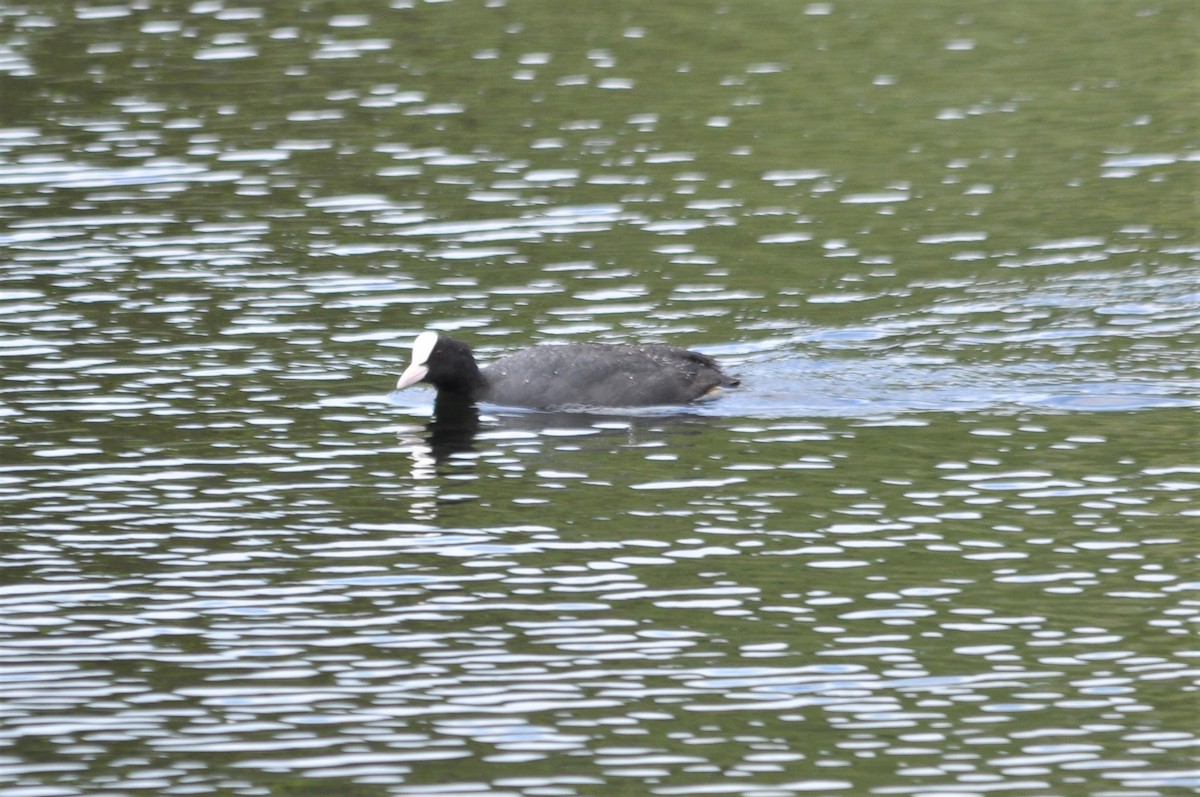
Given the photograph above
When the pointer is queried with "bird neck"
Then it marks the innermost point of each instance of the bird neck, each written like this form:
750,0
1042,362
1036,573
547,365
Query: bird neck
468,385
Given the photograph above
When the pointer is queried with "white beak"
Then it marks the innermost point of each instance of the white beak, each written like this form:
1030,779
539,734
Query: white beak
412,374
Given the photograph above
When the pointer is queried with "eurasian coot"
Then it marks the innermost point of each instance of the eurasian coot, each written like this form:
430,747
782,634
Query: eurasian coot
570,375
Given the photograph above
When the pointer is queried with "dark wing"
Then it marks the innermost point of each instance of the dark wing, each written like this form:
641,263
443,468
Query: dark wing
601,376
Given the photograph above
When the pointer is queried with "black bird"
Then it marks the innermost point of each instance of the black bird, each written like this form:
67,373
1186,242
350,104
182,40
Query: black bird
573,375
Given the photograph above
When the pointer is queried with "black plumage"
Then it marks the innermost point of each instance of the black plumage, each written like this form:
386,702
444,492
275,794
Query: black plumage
565,376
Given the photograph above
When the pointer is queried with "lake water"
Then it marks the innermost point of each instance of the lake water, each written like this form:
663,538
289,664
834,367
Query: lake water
941,541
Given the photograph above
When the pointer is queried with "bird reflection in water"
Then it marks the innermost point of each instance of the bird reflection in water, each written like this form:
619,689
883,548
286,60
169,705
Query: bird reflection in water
450,432
445,451
452,428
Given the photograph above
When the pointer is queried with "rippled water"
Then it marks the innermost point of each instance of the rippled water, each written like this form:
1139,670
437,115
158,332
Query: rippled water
940,542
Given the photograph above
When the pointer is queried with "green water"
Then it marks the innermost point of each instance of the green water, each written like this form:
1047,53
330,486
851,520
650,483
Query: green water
940,541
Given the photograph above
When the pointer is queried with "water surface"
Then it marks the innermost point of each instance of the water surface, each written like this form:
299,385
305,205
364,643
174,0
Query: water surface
940,542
